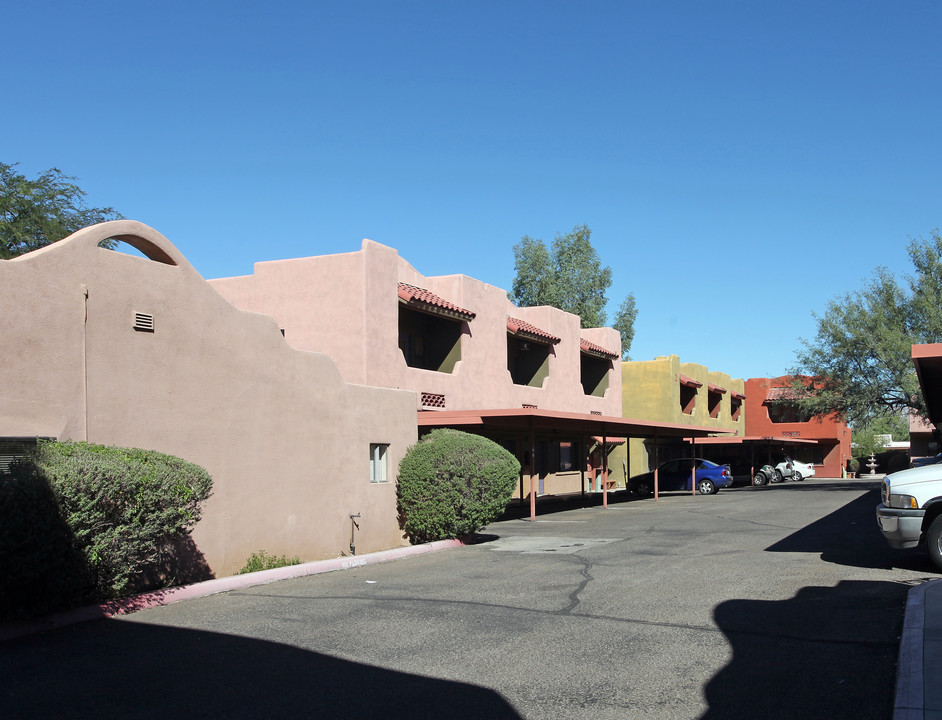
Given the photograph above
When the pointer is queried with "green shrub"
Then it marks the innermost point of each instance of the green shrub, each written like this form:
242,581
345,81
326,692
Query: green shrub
115,514
263,561
453,483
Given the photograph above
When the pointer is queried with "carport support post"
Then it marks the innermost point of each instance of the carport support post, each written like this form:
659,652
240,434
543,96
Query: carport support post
655,466
532,474
693,466
604,471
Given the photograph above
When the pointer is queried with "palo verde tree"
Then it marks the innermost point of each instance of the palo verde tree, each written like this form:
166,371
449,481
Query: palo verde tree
860,358
569,276
35,213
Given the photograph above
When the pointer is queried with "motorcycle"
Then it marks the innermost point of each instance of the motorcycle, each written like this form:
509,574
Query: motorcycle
765,475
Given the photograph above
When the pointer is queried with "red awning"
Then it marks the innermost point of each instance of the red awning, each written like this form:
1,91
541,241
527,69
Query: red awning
525,329
422,299
737,395
592,349
716,389
690,382
608,440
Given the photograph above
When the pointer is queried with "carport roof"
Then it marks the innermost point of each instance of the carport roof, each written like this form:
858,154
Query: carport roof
746,439
547,420
928,361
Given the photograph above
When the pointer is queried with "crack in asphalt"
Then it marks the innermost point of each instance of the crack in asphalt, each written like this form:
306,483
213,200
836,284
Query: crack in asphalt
586,579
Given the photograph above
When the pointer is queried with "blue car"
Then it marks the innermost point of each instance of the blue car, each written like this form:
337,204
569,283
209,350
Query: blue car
675,475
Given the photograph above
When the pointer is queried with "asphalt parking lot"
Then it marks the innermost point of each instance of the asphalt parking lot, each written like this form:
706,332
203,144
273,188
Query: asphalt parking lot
776,602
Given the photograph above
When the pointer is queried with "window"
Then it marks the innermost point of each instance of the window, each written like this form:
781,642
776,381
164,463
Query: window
429,342
594,374
714,403
566,456
379,463
785,412
688,394
527,361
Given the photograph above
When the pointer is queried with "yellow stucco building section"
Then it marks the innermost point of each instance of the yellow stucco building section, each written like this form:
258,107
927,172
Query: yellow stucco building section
668,390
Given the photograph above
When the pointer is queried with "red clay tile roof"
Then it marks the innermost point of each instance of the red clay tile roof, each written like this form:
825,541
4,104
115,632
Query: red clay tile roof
738,395
430,302
781,394
689,381
716,389
597,439
519,327
593,349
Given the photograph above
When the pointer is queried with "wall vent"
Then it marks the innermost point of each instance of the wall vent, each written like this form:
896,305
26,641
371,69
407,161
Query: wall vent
595,412
527,406
433,401
143,322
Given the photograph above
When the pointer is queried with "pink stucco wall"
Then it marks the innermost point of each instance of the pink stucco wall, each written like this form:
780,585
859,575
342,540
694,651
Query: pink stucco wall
347,306
285,437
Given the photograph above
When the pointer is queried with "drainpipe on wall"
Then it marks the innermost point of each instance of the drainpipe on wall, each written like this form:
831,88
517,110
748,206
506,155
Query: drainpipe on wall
85,360
353,528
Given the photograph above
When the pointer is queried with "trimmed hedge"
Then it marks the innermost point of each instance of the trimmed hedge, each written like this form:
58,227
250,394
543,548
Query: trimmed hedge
452,484
87,523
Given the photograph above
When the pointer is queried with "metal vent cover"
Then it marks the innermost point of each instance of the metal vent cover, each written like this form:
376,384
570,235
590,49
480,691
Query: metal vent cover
143,322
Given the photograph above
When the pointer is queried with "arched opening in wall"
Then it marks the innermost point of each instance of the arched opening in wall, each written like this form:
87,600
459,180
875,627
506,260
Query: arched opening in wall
137,247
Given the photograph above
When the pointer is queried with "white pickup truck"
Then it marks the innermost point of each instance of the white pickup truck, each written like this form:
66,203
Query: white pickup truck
911,509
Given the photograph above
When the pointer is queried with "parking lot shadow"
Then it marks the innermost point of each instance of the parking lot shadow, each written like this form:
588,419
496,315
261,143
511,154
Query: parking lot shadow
812,656
850,536
112,669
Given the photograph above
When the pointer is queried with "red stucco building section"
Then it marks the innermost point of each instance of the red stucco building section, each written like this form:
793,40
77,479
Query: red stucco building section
832,436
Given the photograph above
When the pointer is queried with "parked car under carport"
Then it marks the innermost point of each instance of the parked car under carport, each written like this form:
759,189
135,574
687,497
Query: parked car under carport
676,475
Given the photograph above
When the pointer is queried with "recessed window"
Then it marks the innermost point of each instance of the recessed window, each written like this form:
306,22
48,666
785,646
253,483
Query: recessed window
429,342
527,361
714,402
688,394
786,412
567,456
379,463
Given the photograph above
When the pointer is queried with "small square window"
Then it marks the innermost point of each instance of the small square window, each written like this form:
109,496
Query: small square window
379,463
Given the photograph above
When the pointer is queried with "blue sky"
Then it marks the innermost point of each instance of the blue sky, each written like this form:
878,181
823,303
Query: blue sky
739,163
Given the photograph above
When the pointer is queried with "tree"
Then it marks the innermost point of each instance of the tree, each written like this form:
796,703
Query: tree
625,324
570,277
861,357
35,213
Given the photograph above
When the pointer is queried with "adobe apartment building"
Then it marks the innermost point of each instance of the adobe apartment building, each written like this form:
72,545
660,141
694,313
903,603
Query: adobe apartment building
681,393
821,440
459,343
117,349
529,378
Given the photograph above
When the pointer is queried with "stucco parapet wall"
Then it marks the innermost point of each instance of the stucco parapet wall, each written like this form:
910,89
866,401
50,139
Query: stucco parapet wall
208,382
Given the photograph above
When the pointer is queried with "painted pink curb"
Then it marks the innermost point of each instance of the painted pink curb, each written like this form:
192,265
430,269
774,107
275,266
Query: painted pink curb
219,585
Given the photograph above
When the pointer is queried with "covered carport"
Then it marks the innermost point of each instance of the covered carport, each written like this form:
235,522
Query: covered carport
928,361
528,423
760,448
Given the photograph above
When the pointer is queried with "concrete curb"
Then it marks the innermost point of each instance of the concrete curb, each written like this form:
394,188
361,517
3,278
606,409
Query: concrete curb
212,587
910,680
